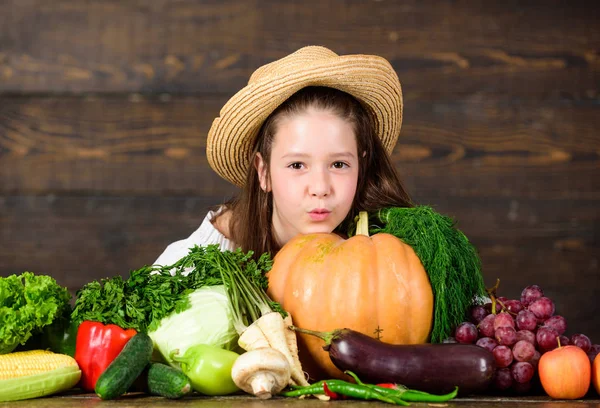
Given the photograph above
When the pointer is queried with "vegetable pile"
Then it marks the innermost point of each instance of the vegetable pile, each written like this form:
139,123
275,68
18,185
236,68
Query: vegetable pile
220,322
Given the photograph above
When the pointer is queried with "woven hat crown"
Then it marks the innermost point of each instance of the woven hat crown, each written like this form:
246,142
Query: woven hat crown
294,62
369,78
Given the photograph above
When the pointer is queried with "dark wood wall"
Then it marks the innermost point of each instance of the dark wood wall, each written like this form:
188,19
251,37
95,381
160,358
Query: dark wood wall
105,106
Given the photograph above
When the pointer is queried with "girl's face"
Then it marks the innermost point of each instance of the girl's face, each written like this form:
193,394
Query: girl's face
313,173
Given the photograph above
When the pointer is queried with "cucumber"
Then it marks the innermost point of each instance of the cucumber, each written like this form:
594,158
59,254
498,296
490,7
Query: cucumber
167,381
125,368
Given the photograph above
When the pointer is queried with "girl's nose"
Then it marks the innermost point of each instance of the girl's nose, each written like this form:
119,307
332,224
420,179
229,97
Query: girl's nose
320,185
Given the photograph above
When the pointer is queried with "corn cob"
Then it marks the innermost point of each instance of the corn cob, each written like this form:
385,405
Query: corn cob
36,373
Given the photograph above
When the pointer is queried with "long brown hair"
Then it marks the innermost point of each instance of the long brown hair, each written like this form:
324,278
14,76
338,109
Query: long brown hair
379,186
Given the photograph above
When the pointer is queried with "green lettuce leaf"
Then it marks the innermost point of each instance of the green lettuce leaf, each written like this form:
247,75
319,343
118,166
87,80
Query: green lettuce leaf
28,303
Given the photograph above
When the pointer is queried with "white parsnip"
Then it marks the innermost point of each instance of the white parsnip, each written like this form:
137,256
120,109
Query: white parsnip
292,343
253,338
273,328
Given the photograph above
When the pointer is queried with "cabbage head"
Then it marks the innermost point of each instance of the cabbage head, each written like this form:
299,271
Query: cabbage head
207,321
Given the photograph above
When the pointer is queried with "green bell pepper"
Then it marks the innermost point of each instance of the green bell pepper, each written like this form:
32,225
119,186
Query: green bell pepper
62,337
59,337
208,368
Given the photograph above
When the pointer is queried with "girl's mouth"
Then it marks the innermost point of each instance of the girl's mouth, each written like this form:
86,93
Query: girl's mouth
319,214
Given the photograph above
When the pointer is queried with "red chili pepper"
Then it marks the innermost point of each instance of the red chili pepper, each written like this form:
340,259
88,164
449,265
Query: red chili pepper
388,385
329,393
97,345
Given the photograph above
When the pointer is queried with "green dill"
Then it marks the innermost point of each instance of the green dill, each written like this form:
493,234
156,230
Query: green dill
451,261
153,292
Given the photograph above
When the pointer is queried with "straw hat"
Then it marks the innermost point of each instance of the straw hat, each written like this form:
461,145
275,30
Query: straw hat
369,78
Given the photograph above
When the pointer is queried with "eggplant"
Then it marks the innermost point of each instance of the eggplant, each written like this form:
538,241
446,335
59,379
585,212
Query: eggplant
434,368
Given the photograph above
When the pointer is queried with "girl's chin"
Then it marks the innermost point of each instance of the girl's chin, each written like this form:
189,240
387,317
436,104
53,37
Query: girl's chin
318,229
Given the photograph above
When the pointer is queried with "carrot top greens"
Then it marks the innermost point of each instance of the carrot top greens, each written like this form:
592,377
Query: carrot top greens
247,298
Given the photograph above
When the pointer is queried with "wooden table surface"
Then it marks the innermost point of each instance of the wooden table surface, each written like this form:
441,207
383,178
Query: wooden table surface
142,400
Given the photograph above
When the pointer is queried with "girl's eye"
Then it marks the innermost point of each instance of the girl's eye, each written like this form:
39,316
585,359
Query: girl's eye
295,166
339,165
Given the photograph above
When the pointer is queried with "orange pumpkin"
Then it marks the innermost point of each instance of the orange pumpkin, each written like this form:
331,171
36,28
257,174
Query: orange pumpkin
565,372
375,285
596,374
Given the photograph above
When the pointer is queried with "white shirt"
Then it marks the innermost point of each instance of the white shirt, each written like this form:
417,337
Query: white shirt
205,235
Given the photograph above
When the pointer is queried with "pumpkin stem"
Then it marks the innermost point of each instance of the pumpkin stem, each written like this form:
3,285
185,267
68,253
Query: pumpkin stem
325,336
362,226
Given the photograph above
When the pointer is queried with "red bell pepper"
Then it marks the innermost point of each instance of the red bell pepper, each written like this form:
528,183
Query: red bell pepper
97,345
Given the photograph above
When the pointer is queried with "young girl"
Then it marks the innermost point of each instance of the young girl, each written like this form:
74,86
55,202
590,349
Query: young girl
308,142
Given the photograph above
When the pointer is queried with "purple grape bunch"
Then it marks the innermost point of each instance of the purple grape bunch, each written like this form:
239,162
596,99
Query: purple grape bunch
518,332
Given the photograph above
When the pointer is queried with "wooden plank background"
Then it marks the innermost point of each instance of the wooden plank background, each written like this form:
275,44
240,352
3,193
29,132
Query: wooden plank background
105,106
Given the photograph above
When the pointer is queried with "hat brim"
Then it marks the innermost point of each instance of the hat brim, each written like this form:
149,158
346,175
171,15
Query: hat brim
370,79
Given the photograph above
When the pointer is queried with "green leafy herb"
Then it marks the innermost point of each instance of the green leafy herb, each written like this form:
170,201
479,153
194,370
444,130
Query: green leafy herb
247,298
451,261
153,292
28,303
